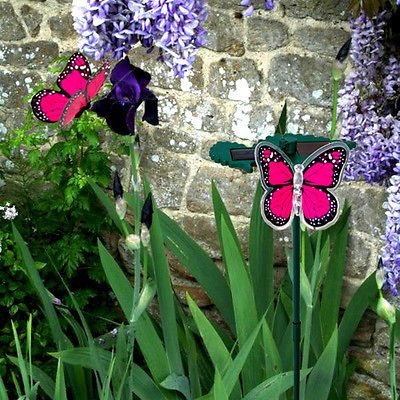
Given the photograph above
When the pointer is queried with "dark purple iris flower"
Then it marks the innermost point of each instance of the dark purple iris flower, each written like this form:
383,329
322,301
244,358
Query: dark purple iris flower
129,91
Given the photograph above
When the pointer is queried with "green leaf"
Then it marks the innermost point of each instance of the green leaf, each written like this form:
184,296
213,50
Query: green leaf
320,379
200,265
33,274
146,296
46,383
143,386
110,207
118,281
332,290
3,390
360,301
275,386
178,383
60,392
261,253
273,362
219,354
244,306
219,390
165,296
281,127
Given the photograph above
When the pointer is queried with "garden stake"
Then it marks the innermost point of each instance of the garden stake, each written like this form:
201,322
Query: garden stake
297,174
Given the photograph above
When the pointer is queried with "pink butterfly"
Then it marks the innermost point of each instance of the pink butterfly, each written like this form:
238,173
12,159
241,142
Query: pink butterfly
78,88
300,189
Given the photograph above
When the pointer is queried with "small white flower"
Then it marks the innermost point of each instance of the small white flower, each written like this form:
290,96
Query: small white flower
9,213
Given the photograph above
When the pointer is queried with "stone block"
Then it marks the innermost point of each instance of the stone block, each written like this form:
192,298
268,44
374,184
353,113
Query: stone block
266,34
61,26
14,86
167,174
32,19
195,291
306,120
168,108
325,41
31,55
366,200
225,33
362,256
252,121
162,76
10,27
235,79
362,387
172,139
205,115
236,189
306,78
226,4
318,9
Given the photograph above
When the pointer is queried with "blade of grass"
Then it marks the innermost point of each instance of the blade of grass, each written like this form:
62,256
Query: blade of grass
261,253
244,306
332,290
33,274
320,379
60,392
200,265
3,390
165,296
143,386
219,354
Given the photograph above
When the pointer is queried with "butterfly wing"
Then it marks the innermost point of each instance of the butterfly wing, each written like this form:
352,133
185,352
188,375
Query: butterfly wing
277,207
323,170
74,107
277,179
75,75
48,105
274,166
95,82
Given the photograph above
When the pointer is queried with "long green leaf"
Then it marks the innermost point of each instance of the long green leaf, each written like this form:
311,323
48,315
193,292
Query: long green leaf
200,265
143,386
361,300
231,376
243,304
320,379
3,390
275,386
109,205
281,127
60,391
332,290
118,281
165,296
21,362
219,354
273,362
33,274
261,254
46,383
219,390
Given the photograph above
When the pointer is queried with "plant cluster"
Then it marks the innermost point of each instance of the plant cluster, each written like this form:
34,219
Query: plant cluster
369,107
114,26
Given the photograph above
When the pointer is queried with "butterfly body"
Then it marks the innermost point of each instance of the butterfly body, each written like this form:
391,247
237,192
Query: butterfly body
302,189
77,89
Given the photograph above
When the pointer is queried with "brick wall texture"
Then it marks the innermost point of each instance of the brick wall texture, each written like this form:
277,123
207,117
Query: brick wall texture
236,92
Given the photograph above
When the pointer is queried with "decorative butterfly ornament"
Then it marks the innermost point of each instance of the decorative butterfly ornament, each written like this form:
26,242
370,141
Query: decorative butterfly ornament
78,88
301,189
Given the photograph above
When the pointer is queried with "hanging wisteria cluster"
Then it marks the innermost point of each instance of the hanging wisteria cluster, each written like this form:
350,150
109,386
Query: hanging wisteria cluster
114,26
370,117
268,4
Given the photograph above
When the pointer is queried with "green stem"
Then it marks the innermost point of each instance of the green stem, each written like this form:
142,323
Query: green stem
135,160
393,387
335,98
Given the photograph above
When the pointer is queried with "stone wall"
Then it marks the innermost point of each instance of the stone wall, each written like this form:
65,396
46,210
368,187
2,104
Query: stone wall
236,92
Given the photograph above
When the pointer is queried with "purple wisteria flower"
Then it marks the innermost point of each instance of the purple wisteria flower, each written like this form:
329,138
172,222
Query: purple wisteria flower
114,26
370,116
268,4
129,91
